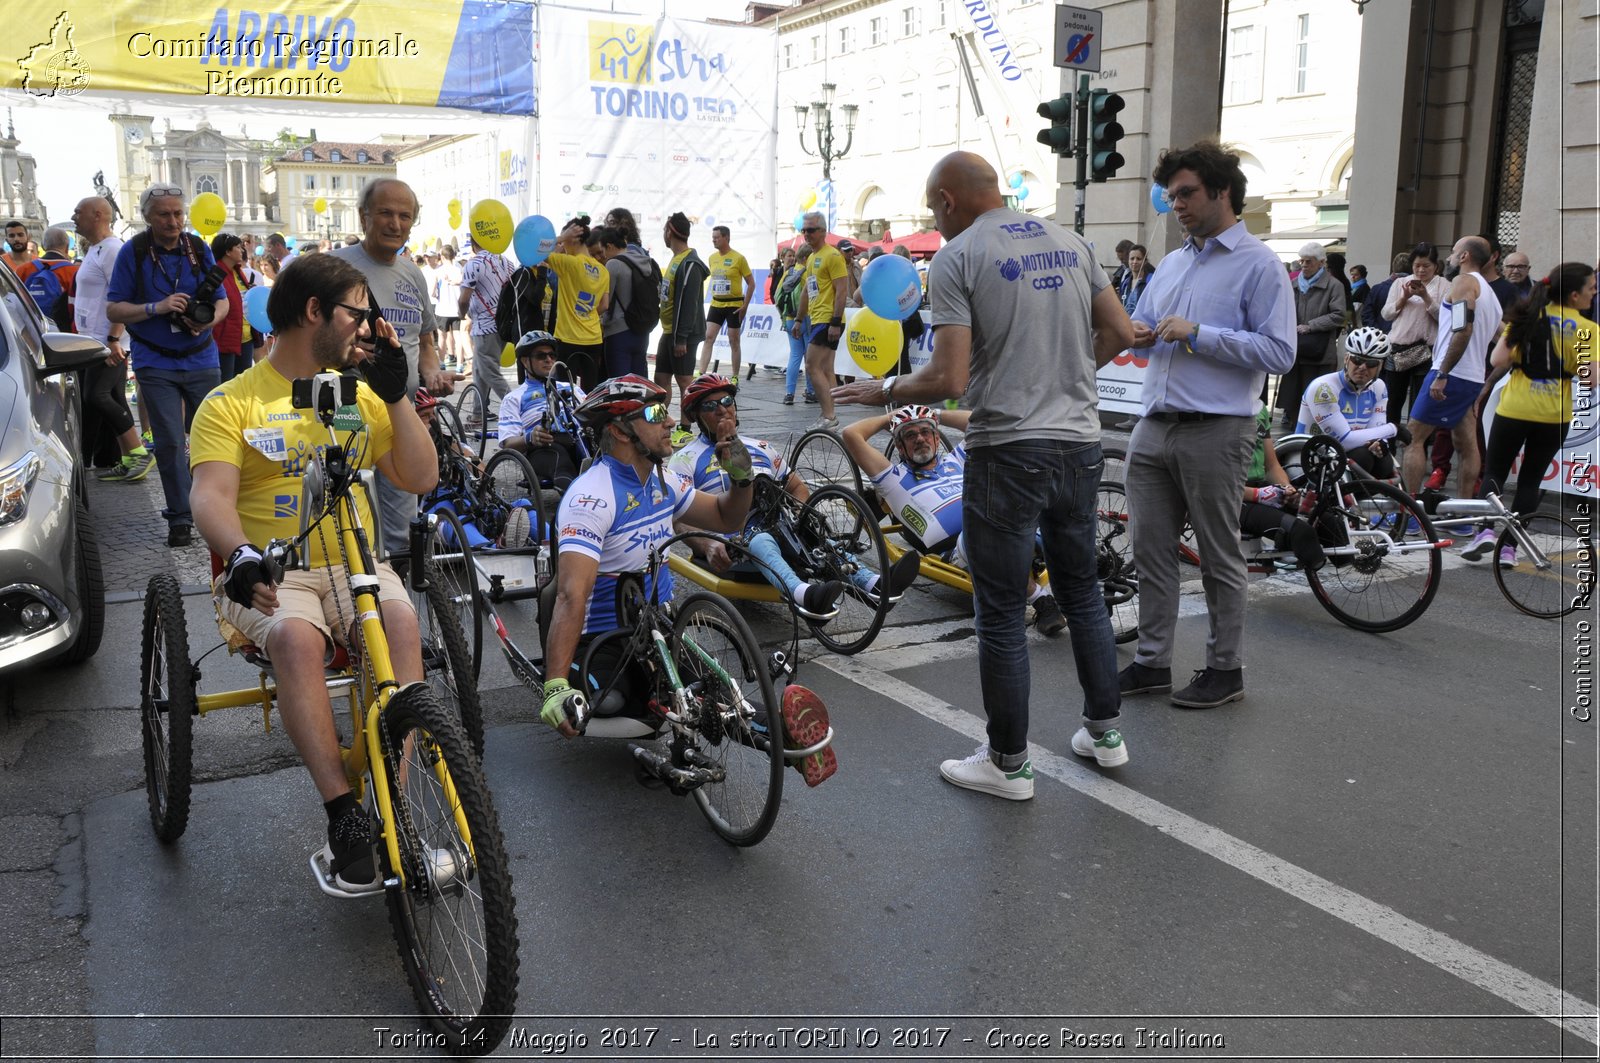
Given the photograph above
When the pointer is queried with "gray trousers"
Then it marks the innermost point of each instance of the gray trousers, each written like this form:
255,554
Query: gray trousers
486,348
1193,470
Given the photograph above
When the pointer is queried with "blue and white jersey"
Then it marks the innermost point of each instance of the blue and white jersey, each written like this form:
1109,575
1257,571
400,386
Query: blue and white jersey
697,462
928,503
607,514
1352,418
524,407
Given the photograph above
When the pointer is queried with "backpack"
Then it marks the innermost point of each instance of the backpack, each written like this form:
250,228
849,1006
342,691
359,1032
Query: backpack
788,301
519,309
1540,360
48,294
643,312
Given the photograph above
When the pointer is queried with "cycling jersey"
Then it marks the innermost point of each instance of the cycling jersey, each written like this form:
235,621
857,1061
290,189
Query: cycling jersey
608,515
928,503
697,462
1352,418
524,407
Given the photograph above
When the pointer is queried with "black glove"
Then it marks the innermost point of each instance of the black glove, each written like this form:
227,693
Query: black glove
1403,434
245,568
386,371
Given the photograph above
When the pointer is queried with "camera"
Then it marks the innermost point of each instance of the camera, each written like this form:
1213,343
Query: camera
323,394
202,308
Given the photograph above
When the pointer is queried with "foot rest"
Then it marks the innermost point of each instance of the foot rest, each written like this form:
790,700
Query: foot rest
805,724
321,864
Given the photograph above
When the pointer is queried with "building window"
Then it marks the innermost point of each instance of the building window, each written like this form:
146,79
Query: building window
205,183
311,182
909,17
816,47
788,57
308,155
335,156
361,156
336,219
910,115
1244,66
847,39
1302,56
333,183
875,31
941,13
311,220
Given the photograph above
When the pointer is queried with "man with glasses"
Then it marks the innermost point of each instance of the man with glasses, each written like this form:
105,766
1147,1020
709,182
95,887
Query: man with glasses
820,321
528,423
251,449
1218,316
608,521
1351,406
1517,270
154,282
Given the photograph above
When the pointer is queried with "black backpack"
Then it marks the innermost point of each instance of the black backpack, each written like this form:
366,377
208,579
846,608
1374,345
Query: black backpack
643,312
520,306
1540,360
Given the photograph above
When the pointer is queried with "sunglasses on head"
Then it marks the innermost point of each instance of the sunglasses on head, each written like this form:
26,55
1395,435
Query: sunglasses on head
724,401
655,413
164,190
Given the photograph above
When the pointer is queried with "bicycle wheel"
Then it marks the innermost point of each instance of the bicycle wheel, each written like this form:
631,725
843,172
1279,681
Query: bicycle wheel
509,484
454,919
450,565
1563,584
166,706
447,662
1115,560
1116,464
844,543
472,407
1394,573
820,460
737,729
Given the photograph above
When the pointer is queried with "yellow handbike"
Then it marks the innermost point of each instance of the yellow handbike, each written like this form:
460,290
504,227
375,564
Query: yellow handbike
409,760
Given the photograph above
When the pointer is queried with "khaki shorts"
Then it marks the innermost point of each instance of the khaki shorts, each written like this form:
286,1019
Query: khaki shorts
318,597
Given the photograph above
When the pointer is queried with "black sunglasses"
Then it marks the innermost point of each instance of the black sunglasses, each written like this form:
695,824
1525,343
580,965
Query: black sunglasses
811,229
724,401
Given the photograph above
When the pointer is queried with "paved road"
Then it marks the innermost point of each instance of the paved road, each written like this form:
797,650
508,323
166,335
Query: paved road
1386,849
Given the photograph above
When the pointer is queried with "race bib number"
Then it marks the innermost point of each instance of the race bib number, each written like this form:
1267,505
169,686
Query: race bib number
811,286
268,442
720,286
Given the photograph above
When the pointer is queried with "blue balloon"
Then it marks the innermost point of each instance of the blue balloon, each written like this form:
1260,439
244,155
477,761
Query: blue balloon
255,309
1022,193
260,250
799,222
289,242
1158,198
890,288
533,239
1016,180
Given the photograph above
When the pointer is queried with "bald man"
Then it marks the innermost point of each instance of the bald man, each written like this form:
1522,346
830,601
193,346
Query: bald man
1022,319
107,390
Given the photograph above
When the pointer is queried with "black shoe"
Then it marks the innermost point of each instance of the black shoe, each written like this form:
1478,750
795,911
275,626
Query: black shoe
903,573
350,840
820,600
180,535
788,400
1047,616
1211,687
810,398
1140,679
752,374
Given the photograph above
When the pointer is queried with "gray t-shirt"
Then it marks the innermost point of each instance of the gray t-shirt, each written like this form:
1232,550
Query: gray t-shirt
615,320
1024,287
401,292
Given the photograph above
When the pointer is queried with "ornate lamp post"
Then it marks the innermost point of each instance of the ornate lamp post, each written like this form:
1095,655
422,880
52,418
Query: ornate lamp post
821,112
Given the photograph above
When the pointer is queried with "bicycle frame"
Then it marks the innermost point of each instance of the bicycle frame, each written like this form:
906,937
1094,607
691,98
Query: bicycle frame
1460,514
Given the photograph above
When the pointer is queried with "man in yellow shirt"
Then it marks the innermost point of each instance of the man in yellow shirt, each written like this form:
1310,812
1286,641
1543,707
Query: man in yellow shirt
821,320
729,273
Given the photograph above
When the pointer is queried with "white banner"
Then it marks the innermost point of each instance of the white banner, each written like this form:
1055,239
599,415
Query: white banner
659,116
762,341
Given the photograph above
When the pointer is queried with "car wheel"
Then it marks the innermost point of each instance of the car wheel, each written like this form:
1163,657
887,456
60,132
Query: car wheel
91,589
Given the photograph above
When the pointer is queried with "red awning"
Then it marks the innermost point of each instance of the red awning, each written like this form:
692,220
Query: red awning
924,244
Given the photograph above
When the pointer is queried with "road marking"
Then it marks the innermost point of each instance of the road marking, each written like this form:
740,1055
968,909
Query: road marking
1522,990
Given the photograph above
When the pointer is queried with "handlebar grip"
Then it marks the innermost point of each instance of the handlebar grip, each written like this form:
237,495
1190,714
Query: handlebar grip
272,561
576,709
419,554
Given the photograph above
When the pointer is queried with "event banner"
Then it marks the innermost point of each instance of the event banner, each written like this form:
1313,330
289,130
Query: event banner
763,342
659,116
471,54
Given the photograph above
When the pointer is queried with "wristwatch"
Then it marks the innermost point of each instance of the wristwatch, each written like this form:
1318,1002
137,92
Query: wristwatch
888,390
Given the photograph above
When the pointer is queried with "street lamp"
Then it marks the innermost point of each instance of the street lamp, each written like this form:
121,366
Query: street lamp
821,112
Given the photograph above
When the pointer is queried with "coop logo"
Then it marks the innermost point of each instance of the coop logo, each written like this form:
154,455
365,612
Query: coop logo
1050,283
679,157
620,52
1027,230
55,67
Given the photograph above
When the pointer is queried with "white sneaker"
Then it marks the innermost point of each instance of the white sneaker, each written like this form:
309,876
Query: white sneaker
979,773
823,422
1109,750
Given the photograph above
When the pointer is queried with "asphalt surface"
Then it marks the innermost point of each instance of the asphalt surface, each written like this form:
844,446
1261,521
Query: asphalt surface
1387,849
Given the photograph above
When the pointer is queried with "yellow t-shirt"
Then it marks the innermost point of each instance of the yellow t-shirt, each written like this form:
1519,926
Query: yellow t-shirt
822,269
727,278
251,423
1550,401
582,283
667,309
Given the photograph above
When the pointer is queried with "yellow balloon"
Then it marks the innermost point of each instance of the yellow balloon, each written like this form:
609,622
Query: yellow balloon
808,200
208,214
874,342
320,205
508,356
491,225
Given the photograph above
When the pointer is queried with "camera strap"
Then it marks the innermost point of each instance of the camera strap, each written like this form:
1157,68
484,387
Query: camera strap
185,242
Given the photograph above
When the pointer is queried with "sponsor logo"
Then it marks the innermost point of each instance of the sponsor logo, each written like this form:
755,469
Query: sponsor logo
914,520
272,417
1010,269
285,506
759,322
1048,283
633,503
55,67
680,157
573,531
1026,230
591,502
620,52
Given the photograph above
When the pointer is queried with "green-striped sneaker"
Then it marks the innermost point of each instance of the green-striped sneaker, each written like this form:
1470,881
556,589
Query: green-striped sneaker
116,474
979,772
138,466
1108,750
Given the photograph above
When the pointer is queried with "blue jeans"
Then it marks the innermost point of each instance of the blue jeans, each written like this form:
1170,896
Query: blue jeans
1010,492
780,575
170,398
797,359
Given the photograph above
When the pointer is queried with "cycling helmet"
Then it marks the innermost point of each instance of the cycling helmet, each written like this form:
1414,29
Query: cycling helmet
619,397
1368,344
532,339
705,386
424,401
906,416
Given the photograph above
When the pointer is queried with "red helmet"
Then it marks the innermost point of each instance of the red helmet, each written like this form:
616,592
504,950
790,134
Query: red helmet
619,397
906,416
424,401
704,387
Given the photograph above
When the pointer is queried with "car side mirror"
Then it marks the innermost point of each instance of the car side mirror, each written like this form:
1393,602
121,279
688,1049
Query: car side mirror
67,351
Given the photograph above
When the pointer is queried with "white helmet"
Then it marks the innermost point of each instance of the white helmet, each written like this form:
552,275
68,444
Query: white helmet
1367,343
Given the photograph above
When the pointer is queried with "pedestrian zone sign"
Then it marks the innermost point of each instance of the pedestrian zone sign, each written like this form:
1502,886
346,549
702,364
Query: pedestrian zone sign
1077,38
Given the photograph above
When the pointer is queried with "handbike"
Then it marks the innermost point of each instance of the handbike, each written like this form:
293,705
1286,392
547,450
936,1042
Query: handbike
441,860
1552,572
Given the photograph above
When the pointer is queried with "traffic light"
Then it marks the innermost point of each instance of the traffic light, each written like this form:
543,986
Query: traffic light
1104,132
1059,135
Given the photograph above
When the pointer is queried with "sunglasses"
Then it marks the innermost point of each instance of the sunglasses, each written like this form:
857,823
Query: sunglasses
811,229
1366,363
655,413
164,190
724,401
360,312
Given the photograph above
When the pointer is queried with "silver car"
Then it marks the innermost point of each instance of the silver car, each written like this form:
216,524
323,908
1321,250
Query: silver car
52,598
